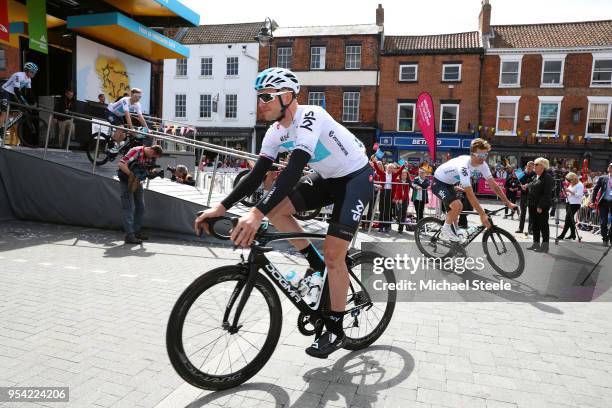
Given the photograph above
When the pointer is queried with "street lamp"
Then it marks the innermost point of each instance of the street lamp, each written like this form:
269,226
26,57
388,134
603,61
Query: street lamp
265,37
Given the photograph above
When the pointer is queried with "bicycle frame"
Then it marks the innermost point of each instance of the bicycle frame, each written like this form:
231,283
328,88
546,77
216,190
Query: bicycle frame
257,260
474,234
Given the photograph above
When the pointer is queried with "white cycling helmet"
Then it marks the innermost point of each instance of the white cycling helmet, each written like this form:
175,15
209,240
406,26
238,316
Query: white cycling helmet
30,66
277,78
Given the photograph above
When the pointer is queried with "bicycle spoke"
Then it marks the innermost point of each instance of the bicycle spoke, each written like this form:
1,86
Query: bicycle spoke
252,345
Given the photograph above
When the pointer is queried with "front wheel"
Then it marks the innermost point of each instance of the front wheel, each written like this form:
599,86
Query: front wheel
503,252
102,156
31,130
203,347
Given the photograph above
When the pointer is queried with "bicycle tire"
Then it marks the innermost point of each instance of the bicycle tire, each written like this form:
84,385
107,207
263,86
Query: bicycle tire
422,245
366,340
307,215
29,130
174,332
521,265
102,152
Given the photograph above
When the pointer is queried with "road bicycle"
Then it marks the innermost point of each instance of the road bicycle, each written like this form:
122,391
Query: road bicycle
225,326
27,125
105,142
500,247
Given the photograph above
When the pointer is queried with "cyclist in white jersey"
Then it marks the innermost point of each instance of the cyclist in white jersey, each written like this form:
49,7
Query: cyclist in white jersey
343,178
460,170
119,114
15,88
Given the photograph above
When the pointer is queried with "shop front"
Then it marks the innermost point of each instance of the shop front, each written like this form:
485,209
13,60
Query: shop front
413,149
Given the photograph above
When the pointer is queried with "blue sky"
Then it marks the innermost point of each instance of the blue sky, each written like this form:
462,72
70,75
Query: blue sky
408,17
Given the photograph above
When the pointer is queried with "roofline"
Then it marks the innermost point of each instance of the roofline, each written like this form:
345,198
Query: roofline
434,51
431,35
557,23
568,50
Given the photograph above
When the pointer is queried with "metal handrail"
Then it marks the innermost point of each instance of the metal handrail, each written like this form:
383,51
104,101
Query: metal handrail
159,135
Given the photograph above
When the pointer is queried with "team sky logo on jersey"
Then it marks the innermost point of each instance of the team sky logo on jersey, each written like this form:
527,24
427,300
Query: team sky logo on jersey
284,138
358,210
308,121
464,171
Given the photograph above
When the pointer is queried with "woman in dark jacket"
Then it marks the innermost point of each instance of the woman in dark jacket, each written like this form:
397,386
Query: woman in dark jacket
540,201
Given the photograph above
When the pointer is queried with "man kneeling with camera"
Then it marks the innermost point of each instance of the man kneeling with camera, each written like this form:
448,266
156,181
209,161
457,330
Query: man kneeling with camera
180,174
134,168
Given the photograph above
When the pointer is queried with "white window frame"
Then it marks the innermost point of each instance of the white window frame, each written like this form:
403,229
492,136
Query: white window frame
344,106
225,107
444,66
321,57
548,58
176,73
200,117
596,57
316,92
175,105
416,72
212,61
510,58
442,105
599,100
507,99
399,105
227,66
289,56
549,100
346,53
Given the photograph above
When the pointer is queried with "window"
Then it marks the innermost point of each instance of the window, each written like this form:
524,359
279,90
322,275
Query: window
352,57
232,66
507,110
602,71
510,71
316,98
350,107
284,57
206,66
180,106
181,67
552,70
548,116
205,106
317,57
2,59
408,72
231,106
405,117
449,118
598,119
451,72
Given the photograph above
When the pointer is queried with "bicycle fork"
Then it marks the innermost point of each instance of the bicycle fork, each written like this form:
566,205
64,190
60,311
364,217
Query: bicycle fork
246,287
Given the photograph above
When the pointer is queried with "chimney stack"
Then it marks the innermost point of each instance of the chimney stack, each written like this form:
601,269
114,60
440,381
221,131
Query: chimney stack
380,16
484,18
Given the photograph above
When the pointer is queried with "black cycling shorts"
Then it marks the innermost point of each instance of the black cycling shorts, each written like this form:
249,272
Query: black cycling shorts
445,192
350,195
6,96
114,119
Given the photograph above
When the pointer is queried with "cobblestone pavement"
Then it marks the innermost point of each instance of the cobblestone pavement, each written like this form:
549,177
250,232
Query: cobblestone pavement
80,309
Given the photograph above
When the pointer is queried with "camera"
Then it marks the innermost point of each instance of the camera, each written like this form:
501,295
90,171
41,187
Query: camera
171,170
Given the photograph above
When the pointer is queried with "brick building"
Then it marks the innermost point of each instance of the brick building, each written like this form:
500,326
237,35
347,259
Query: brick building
547,91
337,67
447,66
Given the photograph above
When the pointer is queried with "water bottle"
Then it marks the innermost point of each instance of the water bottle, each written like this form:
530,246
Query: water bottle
293,278
316,283
471,230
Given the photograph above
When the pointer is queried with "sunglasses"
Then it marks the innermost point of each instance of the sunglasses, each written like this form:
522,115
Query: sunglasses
481,155
269,97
